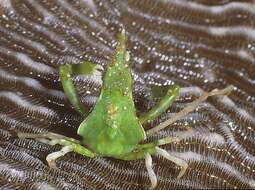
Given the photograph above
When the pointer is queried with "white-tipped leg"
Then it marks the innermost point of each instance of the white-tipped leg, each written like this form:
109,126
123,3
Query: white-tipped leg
193,105
47,141
48,138
152,175
43,140
178,161
179,136
51,158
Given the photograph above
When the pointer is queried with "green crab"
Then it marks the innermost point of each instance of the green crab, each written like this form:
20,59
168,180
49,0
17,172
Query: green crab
112,128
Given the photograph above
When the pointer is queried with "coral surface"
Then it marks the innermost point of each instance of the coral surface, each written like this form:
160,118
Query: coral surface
198,44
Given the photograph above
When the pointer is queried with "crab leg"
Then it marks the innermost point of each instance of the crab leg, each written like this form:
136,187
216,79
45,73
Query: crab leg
193,105
67,71
52,157
178,161
152,175
162,106
45,136
69,145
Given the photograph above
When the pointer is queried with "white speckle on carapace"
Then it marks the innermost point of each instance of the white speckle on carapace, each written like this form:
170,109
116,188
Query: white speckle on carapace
115,126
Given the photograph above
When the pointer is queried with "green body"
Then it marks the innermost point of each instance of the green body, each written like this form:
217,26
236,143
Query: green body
113,129
113,122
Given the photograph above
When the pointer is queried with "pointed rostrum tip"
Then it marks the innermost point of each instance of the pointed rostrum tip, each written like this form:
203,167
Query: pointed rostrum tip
122,37
123,31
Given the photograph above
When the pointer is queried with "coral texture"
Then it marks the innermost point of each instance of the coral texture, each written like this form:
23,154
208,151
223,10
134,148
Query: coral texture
198,44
